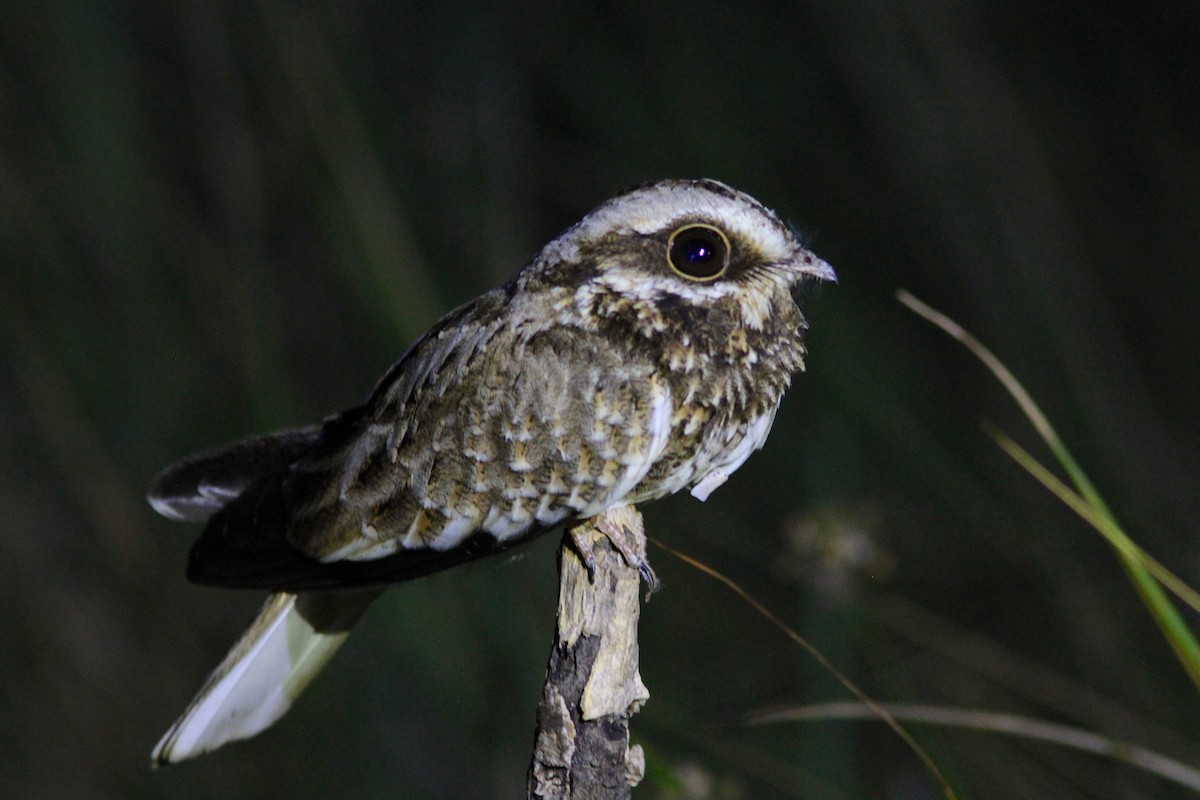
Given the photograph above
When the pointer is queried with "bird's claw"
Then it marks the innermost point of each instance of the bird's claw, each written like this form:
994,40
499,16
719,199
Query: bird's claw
630,543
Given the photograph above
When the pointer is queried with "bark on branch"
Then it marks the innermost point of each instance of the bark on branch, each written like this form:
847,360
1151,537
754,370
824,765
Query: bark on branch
592,687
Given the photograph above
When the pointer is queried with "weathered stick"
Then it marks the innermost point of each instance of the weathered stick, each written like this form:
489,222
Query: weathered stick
592,687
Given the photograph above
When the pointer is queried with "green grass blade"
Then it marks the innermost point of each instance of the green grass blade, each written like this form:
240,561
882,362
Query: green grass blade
1148,576
1105,525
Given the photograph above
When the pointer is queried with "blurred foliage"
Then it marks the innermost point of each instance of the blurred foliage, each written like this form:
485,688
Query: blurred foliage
218,218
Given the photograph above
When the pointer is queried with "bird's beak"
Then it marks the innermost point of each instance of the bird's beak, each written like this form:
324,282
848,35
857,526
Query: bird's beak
811,265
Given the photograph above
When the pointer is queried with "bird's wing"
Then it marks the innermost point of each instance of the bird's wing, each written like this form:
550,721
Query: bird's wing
535,430
492,428
194,489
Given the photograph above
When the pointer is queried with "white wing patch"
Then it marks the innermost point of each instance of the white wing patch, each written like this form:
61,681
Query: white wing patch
709,484
732,453
458,527
361,550
500,524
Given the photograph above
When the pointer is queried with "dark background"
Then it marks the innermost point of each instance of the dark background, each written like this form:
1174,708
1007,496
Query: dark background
219,218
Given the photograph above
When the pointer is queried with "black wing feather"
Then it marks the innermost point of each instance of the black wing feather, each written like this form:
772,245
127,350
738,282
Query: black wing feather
194,489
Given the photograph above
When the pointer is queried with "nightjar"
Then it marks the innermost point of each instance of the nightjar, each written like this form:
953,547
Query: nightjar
643,351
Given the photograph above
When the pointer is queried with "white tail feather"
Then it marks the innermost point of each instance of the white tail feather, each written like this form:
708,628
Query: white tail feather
284,648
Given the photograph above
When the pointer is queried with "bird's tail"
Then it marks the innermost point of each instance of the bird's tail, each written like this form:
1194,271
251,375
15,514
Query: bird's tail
285,647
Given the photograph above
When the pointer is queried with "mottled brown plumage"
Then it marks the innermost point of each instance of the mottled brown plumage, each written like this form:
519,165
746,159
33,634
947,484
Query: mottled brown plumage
643,351
600,376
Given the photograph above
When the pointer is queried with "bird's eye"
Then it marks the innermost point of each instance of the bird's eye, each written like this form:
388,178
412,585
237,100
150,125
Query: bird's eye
698,252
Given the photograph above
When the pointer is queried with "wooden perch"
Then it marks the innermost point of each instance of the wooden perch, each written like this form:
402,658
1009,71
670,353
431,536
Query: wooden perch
592,687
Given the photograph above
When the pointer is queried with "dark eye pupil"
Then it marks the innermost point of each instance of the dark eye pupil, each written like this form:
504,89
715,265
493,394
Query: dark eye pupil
698,252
